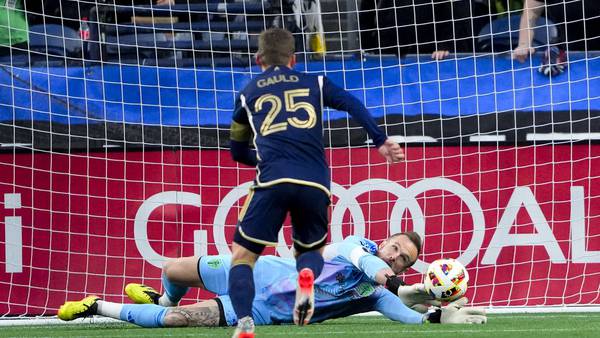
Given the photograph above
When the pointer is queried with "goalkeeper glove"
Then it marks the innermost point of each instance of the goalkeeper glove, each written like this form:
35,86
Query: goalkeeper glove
554,62
415,297
393,282
455,313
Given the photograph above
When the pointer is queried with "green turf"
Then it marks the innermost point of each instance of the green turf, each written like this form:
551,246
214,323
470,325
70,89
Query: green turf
519,325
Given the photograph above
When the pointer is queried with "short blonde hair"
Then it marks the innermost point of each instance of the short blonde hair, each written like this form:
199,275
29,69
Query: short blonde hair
276,46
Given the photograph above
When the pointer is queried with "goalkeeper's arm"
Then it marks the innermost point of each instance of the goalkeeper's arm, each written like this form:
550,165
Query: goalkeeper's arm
352,250
454,313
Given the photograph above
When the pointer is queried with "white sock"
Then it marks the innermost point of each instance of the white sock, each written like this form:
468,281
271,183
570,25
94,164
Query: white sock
109,309
165,301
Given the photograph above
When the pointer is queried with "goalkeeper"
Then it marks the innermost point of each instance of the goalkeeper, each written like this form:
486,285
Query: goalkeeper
348,285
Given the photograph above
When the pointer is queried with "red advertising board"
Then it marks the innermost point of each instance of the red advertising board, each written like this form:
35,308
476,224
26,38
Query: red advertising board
523,219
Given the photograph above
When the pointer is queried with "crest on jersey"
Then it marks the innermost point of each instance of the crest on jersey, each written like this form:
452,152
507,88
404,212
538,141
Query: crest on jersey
365,289
368,246
214,263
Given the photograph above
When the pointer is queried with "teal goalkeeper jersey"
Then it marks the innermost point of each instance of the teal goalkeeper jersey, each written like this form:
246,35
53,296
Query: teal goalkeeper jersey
343,288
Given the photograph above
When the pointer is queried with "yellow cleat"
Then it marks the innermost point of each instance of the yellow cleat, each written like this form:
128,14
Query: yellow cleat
82,308
141,294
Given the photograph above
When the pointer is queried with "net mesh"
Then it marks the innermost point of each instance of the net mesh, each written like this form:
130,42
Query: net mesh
114,129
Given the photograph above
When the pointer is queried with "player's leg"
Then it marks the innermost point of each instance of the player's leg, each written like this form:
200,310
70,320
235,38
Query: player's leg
183,271
305,301
310,226
241,289
259,223
309,220
206,313
207,272
145,315
178,275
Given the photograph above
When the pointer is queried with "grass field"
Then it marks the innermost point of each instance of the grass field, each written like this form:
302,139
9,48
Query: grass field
517,325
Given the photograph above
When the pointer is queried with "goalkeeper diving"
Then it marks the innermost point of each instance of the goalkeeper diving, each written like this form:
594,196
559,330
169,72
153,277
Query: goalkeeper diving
358,277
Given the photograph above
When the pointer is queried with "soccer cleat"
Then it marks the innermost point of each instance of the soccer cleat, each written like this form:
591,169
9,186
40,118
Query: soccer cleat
305,297
245,328
141,294
78,309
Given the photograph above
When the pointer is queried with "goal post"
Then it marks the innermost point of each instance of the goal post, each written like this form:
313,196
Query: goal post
114,146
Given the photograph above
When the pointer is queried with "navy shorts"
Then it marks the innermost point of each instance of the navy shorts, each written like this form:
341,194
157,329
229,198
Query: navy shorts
265,211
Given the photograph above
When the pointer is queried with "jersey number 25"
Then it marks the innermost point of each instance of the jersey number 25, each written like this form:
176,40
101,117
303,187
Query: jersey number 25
291,105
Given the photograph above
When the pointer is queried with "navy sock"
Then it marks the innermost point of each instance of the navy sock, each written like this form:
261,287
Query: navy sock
241,289
312,260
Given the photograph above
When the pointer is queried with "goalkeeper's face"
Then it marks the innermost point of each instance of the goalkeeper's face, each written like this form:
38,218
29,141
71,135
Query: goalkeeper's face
398,252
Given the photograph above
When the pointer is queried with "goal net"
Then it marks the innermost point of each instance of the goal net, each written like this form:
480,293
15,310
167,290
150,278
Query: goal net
114,129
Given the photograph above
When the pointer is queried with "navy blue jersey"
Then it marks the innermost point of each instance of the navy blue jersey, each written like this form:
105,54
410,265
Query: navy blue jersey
284,108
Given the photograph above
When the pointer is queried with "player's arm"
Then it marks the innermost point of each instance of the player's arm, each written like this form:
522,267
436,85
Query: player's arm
338,98
454,313
393,308
353,251
532,10
240,135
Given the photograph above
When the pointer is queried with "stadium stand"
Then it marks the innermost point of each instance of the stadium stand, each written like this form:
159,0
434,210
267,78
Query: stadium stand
55,40
211,33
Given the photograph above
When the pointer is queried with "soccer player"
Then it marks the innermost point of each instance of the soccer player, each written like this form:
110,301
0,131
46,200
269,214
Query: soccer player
346,286
282,109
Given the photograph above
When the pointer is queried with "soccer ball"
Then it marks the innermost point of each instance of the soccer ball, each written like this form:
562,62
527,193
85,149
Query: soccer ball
446,280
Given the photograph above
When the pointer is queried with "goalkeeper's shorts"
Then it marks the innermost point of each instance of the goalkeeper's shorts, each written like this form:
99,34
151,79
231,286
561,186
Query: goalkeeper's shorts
214,273
260,312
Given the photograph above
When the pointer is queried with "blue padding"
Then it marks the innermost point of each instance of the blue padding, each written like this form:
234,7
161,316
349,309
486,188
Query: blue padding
205,96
